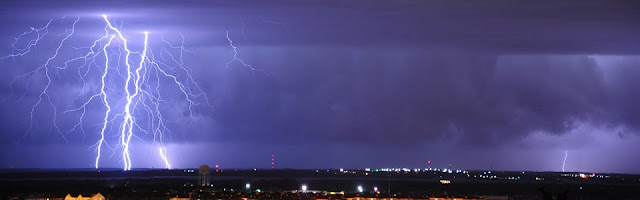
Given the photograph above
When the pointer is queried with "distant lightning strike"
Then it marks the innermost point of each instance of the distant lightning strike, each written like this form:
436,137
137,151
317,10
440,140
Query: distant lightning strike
564,162
138,84
235,55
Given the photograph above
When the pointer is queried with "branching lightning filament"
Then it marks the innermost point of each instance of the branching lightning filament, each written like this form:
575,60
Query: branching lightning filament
126,84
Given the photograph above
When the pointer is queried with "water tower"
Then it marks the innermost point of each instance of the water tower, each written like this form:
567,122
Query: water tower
203,176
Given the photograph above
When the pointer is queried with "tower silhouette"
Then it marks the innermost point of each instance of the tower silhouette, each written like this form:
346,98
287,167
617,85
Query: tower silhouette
273,161
203,176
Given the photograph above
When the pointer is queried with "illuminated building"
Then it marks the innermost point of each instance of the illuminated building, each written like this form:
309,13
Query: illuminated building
97,196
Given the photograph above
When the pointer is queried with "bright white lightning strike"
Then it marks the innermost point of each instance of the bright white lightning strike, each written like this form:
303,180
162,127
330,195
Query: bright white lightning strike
564,162
129,85
163,154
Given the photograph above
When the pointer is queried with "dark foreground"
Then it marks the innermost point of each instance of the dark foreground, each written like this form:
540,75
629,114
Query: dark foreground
320,184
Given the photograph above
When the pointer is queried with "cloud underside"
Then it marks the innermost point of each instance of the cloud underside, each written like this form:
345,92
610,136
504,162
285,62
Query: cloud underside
480,73
391,95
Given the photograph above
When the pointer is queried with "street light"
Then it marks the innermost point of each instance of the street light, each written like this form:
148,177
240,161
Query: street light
304,188
247,186
360,189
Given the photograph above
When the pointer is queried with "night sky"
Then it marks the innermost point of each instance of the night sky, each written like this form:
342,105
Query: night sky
352,84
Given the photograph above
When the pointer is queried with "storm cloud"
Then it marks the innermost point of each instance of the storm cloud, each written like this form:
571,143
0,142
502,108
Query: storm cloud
496,77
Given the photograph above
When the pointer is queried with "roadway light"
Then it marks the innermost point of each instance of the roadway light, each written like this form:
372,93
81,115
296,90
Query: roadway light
304,188
247,186
360,189
375,189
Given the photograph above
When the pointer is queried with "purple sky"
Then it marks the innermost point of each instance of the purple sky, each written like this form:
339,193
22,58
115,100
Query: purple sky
357,84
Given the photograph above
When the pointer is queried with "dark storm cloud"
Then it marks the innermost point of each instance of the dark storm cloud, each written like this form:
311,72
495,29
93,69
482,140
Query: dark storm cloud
418,96
398,89
502,27
352,76
624,94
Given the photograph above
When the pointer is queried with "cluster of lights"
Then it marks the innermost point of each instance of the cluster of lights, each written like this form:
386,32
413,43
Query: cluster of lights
344,171
583,175
360,189
488,175
305,189
407,170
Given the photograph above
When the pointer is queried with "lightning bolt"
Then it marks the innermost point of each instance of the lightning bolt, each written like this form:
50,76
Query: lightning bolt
235,56
104,100
40,33
163,153
564,162
130,86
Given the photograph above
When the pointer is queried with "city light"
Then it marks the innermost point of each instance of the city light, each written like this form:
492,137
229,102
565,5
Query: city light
304,188
360,189
247,186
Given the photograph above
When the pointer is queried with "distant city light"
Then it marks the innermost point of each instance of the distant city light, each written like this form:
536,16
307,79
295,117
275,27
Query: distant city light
304,188
375,189
248,186
360,189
